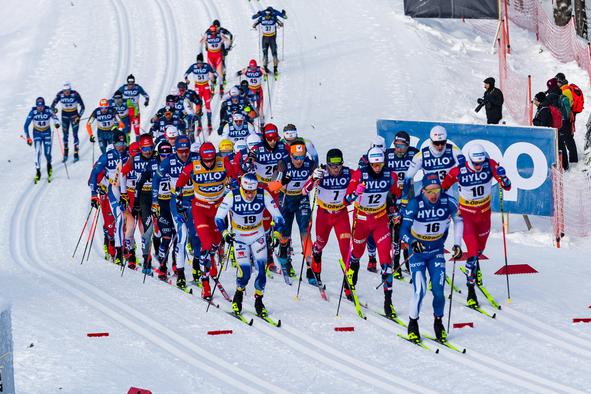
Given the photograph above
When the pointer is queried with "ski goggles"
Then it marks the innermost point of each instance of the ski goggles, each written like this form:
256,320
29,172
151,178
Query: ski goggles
433,190
402,145
147,149
335,162
119,144
439,143
299,157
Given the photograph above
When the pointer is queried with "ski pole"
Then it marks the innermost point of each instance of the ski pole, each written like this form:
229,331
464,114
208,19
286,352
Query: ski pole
504,241
306,242
269,94
283,43
260,44
226,259
91,230
348,261
62,150
451,296
404,262
82,232
93,233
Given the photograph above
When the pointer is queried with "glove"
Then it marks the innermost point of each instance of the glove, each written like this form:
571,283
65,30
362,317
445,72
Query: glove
156,209
275,239
29,141
286,179
123,202
92,139
360,189
54,110
318,174
252,156
502,173
180,207
480,100
76,120
417,247
147,102
94,202
461,160
457,252
394,215
228,236
57,125
220,130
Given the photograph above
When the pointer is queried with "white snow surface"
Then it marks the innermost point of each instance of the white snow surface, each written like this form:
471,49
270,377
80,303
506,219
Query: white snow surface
347,63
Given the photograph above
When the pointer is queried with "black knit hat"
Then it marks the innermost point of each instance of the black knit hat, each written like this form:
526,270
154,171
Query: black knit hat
540,97
490,81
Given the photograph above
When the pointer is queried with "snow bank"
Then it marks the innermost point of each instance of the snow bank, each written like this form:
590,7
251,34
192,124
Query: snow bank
6,369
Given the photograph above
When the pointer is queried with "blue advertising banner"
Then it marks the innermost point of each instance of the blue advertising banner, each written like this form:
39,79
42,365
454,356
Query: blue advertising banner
527,153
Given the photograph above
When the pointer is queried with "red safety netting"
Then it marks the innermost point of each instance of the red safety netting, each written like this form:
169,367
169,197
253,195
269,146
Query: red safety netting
516,88
572,206
561,41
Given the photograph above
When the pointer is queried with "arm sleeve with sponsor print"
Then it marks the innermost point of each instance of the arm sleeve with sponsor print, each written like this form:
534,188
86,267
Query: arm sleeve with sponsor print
456,217
415,165
408,217
222,212
184,177
450,178
493,167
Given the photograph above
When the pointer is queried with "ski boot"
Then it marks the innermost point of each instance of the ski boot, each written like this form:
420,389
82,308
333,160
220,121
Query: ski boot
439,329
174,269
209,128
413,330
131,259
389,310
311,277
119,256
196,270
147,270
372,264
221,90
237,301
163,272
49,172
472,300
290,269
275,72
205,289
348,293
267,69
259,307
76,155
65,159
181,283
37,175
397,272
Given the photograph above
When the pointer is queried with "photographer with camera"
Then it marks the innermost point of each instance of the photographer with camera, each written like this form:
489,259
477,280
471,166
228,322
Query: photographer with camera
492,101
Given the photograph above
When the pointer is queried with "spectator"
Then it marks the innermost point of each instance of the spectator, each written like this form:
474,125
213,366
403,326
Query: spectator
543,117
492,101
566,140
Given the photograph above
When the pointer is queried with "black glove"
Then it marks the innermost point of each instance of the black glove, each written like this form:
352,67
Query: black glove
286,179
57,125
76,120
252,155
147,102
417,247
54,110
220,130
92,139
457,252
480,100
136,208
94,202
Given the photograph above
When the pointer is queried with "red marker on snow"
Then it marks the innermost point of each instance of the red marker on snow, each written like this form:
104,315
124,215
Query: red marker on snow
135,390
582,320
219,332
462,325
344,328
97,334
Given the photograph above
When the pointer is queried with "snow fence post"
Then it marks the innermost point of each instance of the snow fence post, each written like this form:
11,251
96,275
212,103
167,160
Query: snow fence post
6,352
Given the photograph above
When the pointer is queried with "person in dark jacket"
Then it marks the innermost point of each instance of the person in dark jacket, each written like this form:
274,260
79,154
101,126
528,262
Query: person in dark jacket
566,141
543,116
492,101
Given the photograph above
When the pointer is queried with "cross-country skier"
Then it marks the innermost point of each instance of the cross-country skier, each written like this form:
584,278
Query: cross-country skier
214,41
122,109
290,134
106,117
196,103
269,21
474,177
131,95
235,103
332,212
374,189
398,158
111,163
254,75
237,128
292,173
425,226
41,117
202,74
226,33
209,177
72,110
245,207
130,219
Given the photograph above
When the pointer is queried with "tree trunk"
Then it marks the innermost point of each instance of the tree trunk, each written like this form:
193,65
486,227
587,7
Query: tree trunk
563,12
581,18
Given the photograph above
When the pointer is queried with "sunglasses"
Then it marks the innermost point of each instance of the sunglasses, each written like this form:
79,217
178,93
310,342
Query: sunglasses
334,165
183,151
147,149
119,144
401,146
299,157
439,143
432,191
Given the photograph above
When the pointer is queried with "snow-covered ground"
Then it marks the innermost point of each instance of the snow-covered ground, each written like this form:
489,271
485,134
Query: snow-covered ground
347,63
